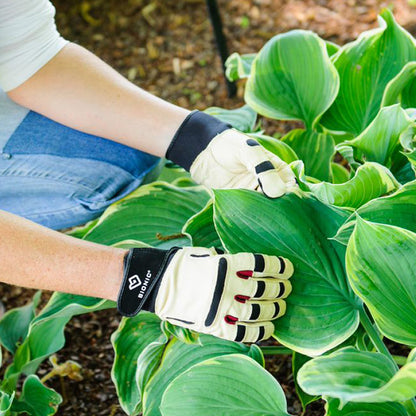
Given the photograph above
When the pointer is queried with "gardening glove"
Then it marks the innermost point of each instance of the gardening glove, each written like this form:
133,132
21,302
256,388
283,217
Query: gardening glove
219,156
231,296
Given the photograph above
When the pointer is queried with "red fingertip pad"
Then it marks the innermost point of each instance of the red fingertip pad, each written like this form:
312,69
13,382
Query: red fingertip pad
241,298
232,320
244,274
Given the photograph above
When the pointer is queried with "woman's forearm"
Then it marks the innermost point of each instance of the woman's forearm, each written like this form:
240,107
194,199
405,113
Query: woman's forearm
36,257
77,89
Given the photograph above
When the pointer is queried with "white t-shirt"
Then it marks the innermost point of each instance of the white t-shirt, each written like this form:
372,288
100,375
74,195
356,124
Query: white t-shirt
28,39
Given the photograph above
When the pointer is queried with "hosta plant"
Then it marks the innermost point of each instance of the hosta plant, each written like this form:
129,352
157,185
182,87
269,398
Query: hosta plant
349,230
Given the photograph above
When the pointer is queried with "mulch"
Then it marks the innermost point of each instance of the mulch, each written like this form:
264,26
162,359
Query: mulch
167,48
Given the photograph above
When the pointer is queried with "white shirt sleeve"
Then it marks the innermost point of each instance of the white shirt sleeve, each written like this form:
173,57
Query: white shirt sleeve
28,39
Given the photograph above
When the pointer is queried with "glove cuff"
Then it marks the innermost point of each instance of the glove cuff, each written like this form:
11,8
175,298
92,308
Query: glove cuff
193,136
143,271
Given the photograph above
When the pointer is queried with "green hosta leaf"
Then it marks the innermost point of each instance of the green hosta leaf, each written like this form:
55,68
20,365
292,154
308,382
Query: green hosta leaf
370,181
339,173
131,338
347,374
178,357
79,232
15,323
358,376
6,401
380,139
298,360
46,331
243,118
292,78
182,334
153,214
322,309
397,209
201,229
365,68
239,66
315,150
37,399
276,146
149,361
332,48
172,173
231,390
397,90
364,409
380,267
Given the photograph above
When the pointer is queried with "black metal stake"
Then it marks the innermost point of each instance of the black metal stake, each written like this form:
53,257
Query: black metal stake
221,41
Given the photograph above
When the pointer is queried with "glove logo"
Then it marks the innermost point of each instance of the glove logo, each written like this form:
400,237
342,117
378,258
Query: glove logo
134,282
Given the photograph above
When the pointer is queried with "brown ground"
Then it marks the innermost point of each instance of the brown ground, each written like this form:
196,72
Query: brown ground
166,47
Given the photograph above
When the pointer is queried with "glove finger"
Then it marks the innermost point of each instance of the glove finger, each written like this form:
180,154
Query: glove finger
285,172
261,265
270,182
260,311
264,289
250,332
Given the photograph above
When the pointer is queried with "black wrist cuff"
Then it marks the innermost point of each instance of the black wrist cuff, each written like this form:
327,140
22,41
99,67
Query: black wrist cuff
192,137
143,271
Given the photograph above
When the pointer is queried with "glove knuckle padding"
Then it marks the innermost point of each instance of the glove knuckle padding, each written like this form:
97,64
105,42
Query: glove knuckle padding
202,290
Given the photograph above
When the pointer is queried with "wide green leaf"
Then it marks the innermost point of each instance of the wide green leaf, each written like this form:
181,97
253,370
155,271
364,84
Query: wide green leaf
398,89
396,209
243,118
364,409
322,310
380,139
14,324
37,399
315,150
153,214
351,375
6,401
292,78
365,67
178,357
339,173
239,66
131,338
201,228
232,390
46,331
370,181
380,267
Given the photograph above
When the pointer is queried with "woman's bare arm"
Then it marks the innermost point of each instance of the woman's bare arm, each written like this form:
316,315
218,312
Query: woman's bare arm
79,90
37,257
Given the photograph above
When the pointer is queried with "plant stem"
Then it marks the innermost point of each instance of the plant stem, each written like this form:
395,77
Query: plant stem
275,350
374,336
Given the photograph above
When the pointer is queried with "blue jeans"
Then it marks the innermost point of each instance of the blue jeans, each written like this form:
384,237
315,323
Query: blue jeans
60,177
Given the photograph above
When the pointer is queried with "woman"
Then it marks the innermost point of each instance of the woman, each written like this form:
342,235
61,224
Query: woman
76,136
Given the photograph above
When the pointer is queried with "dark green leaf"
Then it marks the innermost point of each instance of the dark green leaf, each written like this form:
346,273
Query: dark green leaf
315,150
224,385
365,68
292,78
322,309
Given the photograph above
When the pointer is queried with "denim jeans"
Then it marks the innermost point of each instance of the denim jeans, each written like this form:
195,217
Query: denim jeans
60,177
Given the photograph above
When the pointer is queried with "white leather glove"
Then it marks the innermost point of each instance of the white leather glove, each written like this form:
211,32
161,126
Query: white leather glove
219,156
231,296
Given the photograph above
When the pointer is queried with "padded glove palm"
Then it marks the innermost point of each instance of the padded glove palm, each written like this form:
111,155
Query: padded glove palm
221,157
232,296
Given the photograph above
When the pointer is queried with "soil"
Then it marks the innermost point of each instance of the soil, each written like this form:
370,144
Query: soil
167,48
